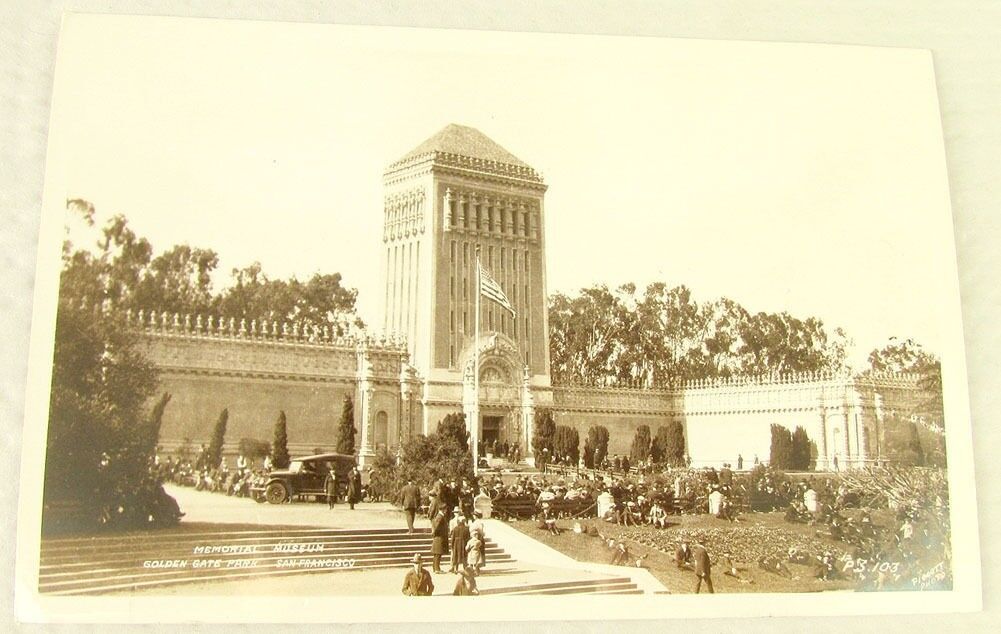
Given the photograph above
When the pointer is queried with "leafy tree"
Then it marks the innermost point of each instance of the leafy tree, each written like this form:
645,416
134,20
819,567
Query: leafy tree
585,332
218,438
543,432
781,451
453,427
902,442
100,443
279,448
122,269
597,436
384,482
663,336
178,280
322,301
346,427
640,449
926,445
427,458
800,449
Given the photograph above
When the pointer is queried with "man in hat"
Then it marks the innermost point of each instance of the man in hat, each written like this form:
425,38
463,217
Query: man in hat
459,537
439,540
411,497
434,505
417,581
703,568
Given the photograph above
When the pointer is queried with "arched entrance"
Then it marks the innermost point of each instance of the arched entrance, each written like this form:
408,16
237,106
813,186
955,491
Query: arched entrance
499,408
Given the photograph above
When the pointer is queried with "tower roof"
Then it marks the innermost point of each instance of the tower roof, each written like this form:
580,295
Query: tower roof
464,141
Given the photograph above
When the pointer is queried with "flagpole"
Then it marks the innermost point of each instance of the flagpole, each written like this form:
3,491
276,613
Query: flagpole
475,423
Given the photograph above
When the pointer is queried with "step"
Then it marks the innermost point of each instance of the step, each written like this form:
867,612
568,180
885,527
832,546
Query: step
612,587
168,578
219,539
159,551
101,566
181,534
555,585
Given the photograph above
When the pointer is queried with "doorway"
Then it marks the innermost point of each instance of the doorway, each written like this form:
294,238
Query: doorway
491,432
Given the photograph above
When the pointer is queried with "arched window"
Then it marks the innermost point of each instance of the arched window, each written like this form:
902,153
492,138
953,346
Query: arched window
381,430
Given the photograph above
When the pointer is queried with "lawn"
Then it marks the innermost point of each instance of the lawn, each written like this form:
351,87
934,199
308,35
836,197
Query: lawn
753,536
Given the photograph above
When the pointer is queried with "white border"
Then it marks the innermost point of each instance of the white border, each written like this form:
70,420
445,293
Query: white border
966,595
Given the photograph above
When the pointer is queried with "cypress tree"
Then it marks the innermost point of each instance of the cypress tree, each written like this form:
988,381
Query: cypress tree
800,449
214,451
598,436
543,432
346,428
780,453
674,444
640,449
279,448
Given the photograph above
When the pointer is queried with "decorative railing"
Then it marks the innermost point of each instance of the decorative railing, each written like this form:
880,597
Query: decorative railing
271,331
883,378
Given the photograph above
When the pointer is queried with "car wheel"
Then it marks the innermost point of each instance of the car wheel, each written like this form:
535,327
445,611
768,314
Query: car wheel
276,493
259,497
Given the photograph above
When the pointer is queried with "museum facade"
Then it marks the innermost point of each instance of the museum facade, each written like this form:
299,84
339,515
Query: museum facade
454,193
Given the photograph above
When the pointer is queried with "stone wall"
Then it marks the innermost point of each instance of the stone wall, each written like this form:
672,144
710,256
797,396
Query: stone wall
841,413
257,370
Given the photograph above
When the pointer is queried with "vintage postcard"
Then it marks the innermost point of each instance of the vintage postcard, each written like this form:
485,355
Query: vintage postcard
361,320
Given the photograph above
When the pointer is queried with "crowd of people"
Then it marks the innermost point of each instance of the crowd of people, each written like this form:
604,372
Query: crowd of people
203,477
908,548
456,510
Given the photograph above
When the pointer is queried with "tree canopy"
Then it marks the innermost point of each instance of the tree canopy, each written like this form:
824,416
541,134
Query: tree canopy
121,268
664,336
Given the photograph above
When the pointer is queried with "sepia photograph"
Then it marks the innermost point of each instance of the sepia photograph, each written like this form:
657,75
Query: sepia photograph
366,313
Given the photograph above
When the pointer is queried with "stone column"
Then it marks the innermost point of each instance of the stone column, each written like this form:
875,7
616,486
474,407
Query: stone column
857,423
469,400
447,215
823,460
472,214
878,425
366,390
527,417
846,433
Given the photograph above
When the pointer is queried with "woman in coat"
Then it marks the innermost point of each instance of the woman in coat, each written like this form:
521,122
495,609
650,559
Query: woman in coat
354,487
439,540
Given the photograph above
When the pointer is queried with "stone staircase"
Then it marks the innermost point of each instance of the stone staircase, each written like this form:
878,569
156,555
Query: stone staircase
614,585
121,563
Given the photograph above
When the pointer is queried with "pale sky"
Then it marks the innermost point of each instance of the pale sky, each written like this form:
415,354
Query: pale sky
806,178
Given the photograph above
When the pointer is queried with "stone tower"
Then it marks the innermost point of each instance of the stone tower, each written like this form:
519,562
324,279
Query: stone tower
456,191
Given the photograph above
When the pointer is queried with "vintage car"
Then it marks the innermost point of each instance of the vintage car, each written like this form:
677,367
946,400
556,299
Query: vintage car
304,477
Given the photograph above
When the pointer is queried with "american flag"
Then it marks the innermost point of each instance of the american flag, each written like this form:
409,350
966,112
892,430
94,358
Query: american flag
492,290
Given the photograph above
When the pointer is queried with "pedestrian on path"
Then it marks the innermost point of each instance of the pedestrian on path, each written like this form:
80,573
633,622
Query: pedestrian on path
411,498
354,487
330,486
